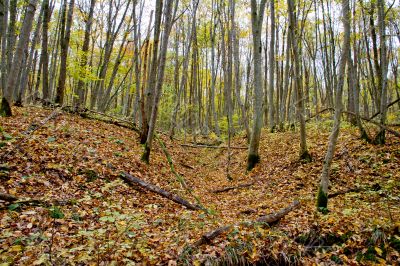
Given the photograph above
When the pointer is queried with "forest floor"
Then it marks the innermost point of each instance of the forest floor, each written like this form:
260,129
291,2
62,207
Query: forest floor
101,220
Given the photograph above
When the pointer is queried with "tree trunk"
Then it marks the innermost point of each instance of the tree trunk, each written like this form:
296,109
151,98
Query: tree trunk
380,138
64,55
322,197
169,14
304,155
81,87
272,47
5,109
45,54
257,16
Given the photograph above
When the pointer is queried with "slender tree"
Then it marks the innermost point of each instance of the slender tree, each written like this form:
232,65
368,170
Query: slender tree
257,16
169,16
64,54
322,197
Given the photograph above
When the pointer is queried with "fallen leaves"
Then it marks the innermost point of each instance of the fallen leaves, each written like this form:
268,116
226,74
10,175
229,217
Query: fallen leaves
108,221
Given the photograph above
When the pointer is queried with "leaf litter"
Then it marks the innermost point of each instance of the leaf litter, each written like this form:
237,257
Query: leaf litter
108,222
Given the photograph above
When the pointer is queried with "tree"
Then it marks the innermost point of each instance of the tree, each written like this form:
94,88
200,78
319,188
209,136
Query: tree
380,138
257,16
45,53
322,197
304,155
5,108
271,119
169,16
80,88
64,53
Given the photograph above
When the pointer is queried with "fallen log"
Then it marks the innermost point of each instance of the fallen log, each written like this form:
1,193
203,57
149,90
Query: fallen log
212,147
270,219
233,187
150,187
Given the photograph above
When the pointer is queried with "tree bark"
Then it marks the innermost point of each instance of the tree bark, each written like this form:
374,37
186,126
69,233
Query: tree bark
257,16
322,197
294,31
64,55
5,109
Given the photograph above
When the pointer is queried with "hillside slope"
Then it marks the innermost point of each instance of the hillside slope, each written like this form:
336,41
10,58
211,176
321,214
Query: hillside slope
76,163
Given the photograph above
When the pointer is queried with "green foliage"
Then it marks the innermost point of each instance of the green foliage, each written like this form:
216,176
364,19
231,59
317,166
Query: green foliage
14,207
56,213
7,136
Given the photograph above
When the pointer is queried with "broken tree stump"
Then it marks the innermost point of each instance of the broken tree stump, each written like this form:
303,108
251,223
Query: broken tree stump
152,188
270,219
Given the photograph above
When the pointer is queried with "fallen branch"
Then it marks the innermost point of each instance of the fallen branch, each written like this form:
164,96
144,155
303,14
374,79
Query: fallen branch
187,166
320,112
394,132
274,217
8,197
179,178
150,187
270,219
389,105
233,187
212,147
42,202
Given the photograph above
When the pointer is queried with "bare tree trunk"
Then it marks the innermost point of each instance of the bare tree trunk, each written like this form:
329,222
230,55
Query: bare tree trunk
236,59
45,53
152,80
380,138
26,70
322,198
3,40
304,155
169,16
271,109
213,71
5,109
185,66
64,55
257,16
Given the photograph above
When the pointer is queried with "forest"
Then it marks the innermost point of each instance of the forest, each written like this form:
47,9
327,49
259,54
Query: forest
189,132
